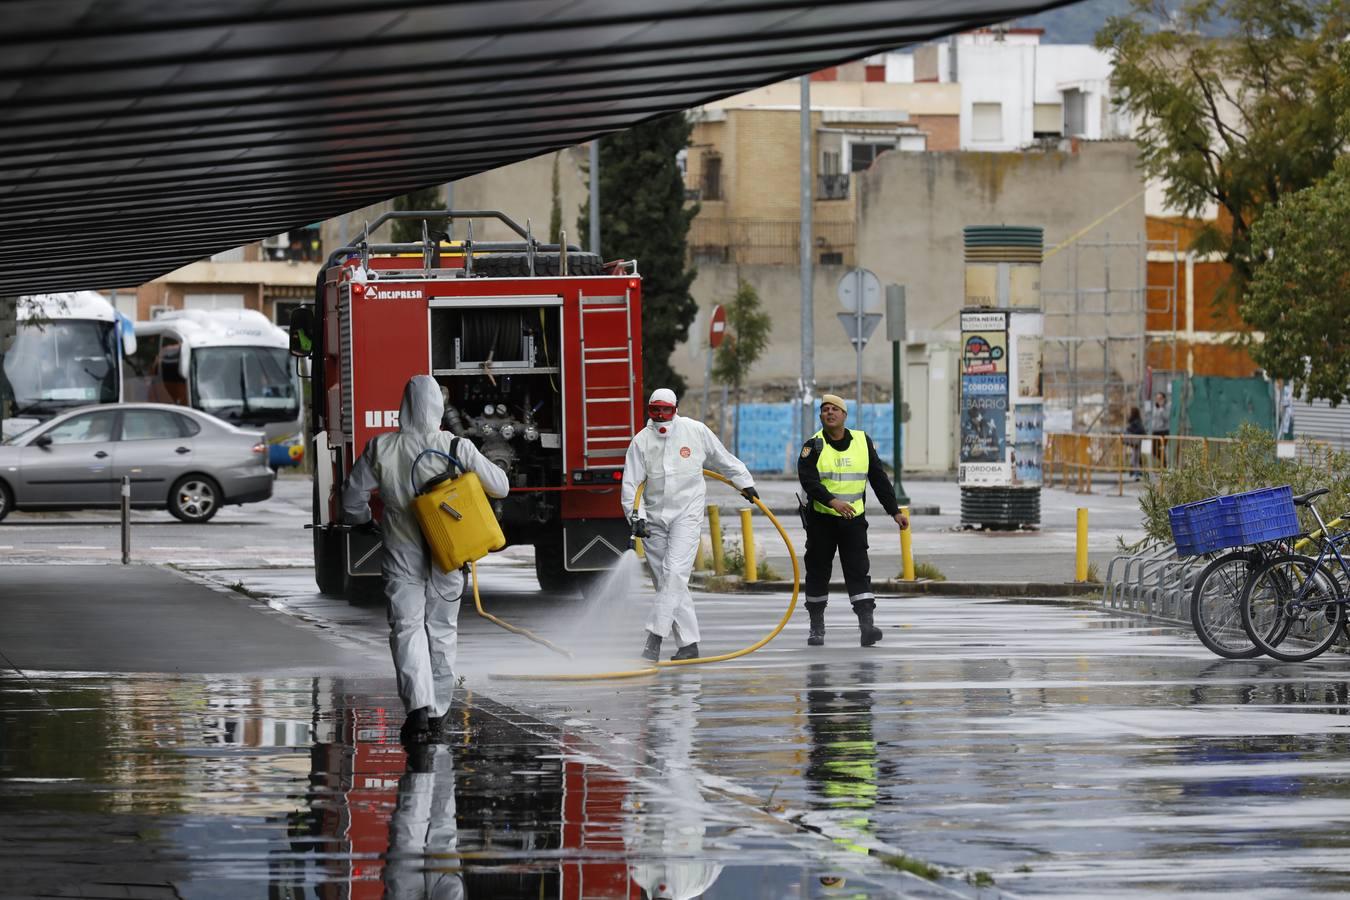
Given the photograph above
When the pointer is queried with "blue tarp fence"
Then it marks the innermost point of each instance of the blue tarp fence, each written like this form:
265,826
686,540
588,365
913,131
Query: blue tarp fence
771,433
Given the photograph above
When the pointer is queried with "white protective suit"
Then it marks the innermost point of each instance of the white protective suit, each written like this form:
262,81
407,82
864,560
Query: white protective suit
672,464
667,836
423,601
423,837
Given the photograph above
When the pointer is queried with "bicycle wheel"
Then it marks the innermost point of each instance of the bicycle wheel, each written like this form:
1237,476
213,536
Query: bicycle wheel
1216,605
1291,608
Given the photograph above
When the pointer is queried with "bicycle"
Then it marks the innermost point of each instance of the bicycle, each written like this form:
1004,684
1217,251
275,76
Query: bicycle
1297,599
1216,599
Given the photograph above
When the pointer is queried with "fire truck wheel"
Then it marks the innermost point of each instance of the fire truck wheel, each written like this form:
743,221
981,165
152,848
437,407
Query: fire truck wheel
328,563
548,568
511,265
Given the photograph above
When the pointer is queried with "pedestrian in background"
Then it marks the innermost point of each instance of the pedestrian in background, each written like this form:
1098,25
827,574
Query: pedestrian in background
1134,427
835,466
1160,425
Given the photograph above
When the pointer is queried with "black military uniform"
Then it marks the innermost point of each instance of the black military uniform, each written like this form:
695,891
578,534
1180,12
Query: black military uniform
826,532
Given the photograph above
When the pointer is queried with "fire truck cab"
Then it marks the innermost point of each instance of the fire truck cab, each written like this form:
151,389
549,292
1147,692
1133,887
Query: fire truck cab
538,353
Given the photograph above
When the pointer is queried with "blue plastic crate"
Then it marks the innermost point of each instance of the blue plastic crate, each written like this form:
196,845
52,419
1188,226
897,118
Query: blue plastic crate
1196,527
1255,516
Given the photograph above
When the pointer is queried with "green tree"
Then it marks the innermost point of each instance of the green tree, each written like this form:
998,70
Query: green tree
555,212
643,217
746,339
405,231
1239,121
1300,295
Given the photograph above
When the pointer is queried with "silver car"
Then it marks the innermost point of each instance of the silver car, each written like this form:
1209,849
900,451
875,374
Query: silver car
176,457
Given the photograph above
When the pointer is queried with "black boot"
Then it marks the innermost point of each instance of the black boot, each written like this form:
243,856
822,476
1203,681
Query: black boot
688,651
653,649
436,728
816,636
868,633
417,727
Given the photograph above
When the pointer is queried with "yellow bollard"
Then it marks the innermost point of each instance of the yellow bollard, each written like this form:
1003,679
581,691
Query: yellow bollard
751,572
700,561
715,532
906,549
1081,563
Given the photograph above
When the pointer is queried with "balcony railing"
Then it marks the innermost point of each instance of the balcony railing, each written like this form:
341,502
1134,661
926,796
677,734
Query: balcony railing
832,187
767,241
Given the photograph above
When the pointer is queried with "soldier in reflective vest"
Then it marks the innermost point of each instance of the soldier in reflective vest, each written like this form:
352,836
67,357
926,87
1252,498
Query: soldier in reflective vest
835,467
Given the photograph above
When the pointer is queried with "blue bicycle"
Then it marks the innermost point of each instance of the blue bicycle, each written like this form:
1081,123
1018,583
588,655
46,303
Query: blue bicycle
1293,606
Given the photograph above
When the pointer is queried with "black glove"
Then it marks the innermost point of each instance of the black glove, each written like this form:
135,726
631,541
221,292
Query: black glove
640,528
371,528
750,493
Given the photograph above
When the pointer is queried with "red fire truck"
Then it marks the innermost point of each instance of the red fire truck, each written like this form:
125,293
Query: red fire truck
538,351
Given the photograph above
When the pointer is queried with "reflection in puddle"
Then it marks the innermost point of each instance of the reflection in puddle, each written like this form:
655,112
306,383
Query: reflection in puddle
299,788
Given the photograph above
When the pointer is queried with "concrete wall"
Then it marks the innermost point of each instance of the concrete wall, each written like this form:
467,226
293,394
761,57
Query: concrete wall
912,208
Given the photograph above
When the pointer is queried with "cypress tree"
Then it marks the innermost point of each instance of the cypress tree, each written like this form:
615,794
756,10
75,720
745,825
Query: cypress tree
643,217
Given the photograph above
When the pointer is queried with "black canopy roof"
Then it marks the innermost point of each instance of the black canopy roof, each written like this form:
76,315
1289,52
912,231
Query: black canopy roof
143,134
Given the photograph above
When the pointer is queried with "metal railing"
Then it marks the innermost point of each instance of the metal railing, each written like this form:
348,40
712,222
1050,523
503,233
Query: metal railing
765,241
832,187
1077,461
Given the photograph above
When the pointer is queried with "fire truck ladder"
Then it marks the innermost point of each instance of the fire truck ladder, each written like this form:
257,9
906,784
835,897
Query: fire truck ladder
606,440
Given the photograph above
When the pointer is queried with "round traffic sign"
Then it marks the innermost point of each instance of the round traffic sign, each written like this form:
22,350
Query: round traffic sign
717,327
860,286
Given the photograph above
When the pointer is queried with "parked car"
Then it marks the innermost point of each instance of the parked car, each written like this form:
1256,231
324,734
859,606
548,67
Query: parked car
178,458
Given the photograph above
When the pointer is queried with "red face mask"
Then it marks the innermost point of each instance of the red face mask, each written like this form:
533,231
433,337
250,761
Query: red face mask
661,412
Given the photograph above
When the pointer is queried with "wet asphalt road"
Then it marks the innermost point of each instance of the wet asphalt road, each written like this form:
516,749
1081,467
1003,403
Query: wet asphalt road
1019,749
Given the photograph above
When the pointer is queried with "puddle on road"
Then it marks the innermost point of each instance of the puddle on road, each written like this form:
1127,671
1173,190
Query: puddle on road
201,787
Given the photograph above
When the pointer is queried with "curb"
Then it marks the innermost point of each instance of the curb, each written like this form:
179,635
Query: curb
928,510
1086,592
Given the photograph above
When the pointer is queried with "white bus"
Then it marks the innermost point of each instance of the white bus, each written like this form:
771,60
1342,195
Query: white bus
232,364
67,351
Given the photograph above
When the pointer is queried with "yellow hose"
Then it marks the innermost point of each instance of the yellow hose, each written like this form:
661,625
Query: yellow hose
523,632
670,663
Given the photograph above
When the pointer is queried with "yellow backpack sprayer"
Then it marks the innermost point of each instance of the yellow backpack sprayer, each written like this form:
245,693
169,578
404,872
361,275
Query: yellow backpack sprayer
454,514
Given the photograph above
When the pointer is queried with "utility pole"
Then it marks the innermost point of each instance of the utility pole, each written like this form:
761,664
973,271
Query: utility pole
595,198
808,374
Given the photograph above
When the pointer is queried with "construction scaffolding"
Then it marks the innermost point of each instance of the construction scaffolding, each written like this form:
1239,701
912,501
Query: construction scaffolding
1099,299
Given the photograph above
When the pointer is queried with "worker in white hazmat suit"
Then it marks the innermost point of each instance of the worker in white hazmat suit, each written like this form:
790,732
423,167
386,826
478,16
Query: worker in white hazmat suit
423,601
423,862
667,835
670,455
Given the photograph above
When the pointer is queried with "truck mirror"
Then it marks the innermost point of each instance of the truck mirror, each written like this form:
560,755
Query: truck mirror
302,331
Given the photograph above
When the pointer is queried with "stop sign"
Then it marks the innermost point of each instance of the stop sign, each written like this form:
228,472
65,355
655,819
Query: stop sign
717,327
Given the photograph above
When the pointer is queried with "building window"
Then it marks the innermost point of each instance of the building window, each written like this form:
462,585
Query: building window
1047,120
1075,112
861,155
711,181
986,121
832,258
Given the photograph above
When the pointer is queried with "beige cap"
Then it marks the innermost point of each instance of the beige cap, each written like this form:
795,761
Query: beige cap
836,400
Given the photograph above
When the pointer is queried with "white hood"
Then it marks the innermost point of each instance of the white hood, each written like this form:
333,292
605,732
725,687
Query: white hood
422,406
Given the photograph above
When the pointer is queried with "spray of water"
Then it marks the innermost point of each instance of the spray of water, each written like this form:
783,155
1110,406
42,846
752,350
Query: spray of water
603,627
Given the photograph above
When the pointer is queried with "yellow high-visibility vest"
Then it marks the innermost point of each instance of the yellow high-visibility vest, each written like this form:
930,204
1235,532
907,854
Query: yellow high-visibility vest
843,473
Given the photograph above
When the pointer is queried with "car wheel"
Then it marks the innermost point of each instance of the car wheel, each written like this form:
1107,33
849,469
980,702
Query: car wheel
194,498
6,500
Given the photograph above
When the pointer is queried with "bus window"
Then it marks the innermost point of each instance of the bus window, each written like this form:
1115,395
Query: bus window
249,385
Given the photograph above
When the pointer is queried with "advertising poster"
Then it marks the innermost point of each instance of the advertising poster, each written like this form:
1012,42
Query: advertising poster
984,353
1028,442
1028,365
984,418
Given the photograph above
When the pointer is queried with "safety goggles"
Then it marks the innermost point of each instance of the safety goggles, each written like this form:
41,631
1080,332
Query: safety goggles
661,412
